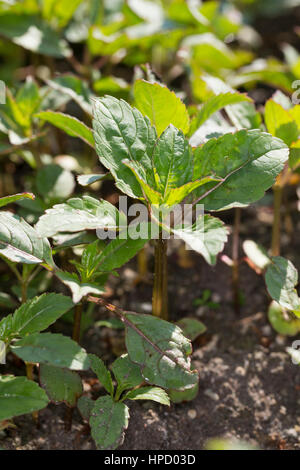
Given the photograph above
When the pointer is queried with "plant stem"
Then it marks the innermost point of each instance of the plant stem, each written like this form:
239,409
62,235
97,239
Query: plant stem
29,365
142,263
275,246
30,376
235,260
160,286
76,337
24,291
77,322
68,418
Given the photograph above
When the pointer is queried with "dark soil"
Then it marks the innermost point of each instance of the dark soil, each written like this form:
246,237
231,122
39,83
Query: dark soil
249,388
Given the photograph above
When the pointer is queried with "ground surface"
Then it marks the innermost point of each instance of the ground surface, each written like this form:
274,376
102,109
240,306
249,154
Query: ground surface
249,388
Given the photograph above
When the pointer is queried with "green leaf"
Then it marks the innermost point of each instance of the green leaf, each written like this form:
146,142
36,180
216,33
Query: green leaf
243,114
103,374
75,88
191,327
88,265
52,349
69,124
214,104
281,321
6,328
54,183
79,289
111,86
122,133
15,197
38,313
185,395
85,180
170,179
32,33
257,254
61,385
28,99
248,162
19,396
294,161
127,374
77,214
213,127
281,278
161,105
149,393
207,236
7,301
161,351
85,405
20,243
280,123
121,250
61,12
66,240
108,422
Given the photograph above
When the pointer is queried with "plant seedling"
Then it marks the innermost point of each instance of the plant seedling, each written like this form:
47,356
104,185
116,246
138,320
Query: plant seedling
108,416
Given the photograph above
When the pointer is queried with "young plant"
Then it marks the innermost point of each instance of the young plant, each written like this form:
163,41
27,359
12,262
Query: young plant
156,164
281,278
283,120
157,348
108,416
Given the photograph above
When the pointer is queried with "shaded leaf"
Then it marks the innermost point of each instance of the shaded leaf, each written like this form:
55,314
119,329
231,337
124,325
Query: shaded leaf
281,278
85,405
38,313
32,33
127,374
52,349
109,420
54,182
61,385
161,351
121,250
191,327
103,374
19,396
